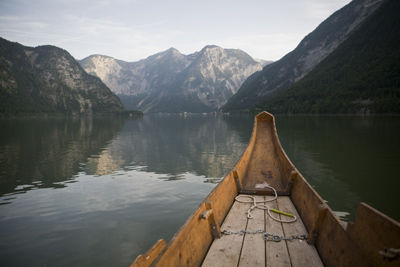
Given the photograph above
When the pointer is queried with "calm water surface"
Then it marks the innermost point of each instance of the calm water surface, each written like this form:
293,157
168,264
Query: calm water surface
100,191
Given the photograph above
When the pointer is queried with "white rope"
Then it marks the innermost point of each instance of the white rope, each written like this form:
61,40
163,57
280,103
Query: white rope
254,205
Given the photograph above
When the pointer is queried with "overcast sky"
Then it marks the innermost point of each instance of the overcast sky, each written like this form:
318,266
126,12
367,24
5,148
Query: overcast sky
134,29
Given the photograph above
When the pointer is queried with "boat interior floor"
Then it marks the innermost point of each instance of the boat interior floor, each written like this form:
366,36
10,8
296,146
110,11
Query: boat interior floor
251,249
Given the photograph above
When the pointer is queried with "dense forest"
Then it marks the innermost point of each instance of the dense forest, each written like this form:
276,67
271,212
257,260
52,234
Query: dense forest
360,76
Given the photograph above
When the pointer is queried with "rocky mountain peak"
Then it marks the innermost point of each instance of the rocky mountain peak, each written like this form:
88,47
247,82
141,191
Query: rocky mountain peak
173,50
101,66
212,51
210,48
173,82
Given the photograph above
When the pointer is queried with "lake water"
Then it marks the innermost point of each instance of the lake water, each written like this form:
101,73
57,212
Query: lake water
100,191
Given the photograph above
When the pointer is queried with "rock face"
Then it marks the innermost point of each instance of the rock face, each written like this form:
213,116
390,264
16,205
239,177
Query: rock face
314,48
48,79
172,82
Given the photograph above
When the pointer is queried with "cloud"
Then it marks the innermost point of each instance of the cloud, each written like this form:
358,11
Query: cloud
131,30
9,18
83,36
19,23
24,30
117,39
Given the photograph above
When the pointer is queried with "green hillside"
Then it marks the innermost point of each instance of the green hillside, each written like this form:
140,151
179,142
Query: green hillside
361,76
312,50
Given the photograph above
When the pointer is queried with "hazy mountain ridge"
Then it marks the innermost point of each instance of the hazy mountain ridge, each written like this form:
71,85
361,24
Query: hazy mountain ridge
263,62
172,82
361,76
48,79
315,47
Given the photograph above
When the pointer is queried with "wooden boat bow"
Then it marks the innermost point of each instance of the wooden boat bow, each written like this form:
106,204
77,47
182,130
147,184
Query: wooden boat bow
372,240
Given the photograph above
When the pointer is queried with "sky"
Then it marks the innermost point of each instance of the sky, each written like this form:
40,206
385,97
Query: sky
131,30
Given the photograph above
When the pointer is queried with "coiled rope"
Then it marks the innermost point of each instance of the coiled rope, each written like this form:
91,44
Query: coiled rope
255,205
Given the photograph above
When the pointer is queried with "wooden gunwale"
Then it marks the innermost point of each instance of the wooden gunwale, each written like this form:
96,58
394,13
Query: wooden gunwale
336,246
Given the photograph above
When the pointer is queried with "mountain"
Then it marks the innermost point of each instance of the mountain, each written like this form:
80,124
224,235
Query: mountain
135,78
172,82
137,81
48,79
263,62
361,76
314,48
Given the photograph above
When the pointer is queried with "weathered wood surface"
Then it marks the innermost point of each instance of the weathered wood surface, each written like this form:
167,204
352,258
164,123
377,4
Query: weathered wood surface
263,166
226,250
336,248
209,215
301,253
148,258
364,232
253,249
189,246
276,252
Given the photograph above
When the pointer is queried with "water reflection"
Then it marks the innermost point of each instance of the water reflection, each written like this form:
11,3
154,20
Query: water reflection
344,158
347,159
112,200
44,153
48,153
122,185
173,145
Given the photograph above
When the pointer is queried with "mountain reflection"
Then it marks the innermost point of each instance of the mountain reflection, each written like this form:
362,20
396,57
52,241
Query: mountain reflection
173,145
44,153
342,157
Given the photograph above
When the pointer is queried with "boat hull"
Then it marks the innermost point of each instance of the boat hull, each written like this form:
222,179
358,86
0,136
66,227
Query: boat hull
265,162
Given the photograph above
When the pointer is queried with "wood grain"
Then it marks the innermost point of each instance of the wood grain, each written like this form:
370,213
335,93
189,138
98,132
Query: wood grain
276,252
226,250
300,252
253,250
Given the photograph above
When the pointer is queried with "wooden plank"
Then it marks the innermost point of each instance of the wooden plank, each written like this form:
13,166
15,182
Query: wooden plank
148,258
214,225
335,247
374,231
276,252
253,250
300,252
226,250
308,203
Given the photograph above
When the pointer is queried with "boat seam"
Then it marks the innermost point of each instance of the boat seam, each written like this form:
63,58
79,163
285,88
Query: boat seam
244,236
284,234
